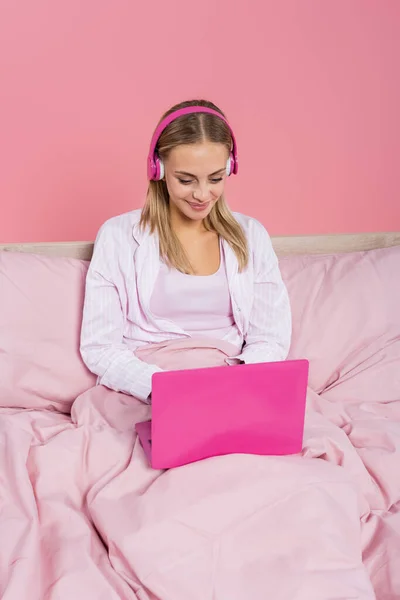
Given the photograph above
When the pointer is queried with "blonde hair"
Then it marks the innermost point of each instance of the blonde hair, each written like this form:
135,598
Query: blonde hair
191,129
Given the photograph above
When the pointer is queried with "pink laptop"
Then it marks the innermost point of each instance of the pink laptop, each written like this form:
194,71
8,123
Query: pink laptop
243,409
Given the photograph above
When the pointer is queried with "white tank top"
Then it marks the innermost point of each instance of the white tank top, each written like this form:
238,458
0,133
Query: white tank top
199,304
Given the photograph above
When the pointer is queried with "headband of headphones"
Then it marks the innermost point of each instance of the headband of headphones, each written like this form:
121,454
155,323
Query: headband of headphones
155,166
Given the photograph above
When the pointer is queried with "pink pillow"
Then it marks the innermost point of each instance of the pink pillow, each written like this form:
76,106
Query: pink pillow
346,317
40,318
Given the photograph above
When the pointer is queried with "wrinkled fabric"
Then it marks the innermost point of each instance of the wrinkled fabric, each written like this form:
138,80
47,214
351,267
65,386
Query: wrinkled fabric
82,515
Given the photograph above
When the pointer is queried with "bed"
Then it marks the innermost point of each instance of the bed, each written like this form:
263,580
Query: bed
83,516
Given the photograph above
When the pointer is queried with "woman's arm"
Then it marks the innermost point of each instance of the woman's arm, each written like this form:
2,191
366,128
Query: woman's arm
270,327
102,346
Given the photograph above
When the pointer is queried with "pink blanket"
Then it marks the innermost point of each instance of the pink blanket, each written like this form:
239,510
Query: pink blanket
84,517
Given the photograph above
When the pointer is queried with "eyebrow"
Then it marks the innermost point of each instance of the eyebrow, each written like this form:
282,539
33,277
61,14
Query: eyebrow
194,176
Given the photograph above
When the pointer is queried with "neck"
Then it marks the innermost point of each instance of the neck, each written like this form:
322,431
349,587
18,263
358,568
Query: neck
181,224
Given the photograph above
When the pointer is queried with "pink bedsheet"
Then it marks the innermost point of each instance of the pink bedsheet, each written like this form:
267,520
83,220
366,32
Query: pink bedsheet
84,517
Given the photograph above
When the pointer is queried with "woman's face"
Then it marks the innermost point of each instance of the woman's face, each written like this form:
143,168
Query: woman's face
195,176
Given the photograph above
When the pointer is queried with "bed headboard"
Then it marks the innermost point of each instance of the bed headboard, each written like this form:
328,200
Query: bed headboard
307,244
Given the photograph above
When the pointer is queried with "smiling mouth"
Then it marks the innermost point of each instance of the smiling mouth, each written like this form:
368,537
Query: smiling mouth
199,206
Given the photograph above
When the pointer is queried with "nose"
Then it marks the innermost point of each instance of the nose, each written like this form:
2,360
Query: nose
202,193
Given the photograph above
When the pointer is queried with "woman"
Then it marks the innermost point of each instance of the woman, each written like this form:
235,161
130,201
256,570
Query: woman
184,266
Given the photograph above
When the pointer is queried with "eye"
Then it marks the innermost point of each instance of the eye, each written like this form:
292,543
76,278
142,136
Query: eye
185,181
216,180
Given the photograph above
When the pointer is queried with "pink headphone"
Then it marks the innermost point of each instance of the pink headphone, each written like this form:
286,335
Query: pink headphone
155,166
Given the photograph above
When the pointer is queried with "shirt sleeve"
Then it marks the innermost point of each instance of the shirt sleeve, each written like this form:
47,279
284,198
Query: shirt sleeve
102,345
270,326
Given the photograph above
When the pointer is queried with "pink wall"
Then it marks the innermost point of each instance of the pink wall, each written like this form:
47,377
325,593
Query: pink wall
311,88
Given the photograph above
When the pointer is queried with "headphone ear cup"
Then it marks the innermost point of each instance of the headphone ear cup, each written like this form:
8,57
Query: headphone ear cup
151,168
161,170
228,166
156,169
